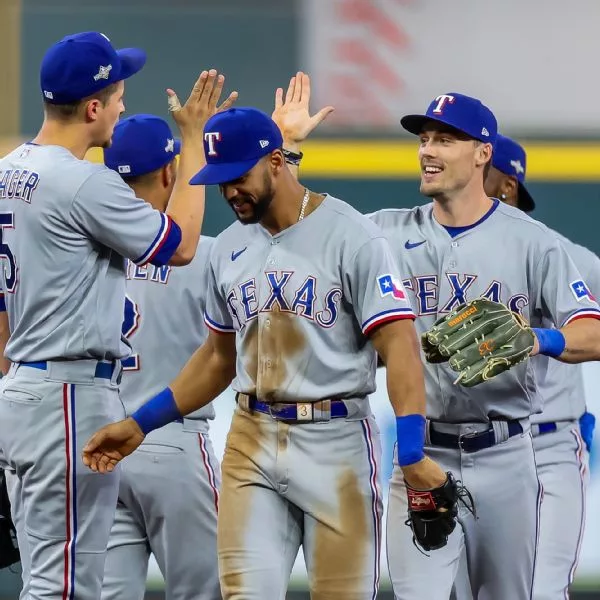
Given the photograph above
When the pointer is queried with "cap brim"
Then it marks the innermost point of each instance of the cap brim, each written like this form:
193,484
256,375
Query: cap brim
526,202
132,61
216,174
414,123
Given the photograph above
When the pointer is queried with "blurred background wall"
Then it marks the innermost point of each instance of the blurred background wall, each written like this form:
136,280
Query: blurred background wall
533,62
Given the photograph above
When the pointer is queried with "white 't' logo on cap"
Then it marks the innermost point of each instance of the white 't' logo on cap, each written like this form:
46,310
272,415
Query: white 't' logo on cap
210,138
441,102
170,147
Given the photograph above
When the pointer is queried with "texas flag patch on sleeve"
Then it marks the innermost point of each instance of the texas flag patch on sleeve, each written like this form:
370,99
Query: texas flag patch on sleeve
581,291
390,286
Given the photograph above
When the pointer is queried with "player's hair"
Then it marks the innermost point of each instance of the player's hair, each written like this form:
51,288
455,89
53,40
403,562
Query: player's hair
139,179
64,112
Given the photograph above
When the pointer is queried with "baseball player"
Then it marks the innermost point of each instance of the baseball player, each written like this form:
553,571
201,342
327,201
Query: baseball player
150,517
303,292
562,433
481,433
66,225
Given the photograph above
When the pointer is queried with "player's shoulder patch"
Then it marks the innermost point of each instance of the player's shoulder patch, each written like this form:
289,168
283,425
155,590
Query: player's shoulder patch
581,291
390,285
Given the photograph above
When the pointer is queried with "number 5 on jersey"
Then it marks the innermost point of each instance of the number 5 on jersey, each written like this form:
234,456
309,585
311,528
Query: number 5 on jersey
131,321
10,269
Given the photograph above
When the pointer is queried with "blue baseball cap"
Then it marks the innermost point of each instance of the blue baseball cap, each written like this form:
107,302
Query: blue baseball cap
510,158
461,112
82,64
141,144
234,141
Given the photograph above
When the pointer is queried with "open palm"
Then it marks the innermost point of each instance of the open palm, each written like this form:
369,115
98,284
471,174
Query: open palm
292,114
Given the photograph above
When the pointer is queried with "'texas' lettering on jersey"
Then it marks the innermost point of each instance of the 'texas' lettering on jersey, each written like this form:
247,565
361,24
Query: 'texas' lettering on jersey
244,306
148,273
427,287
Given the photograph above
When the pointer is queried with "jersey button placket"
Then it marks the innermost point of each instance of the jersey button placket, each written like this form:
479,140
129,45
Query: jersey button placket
452,262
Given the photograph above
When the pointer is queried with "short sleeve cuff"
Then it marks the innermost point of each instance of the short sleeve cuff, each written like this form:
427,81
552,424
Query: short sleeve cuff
386,316
218,327
164,244
584,313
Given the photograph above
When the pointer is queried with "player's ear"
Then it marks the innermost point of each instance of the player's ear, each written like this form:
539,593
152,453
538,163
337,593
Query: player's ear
168,174
91,109
483,154
277,161
510,188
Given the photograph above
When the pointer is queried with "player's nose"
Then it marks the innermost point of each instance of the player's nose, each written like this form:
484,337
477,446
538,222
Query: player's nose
229,192
427,150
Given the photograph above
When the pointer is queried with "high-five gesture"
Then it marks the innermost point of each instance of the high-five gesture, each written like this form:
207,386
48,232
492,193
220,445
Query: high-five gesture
202,103
292,113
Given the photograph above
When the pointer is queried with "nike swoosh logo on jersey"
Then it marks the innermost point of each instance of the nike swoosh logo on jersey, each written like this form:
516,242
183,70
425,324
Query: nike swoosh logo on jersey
410,245
235,254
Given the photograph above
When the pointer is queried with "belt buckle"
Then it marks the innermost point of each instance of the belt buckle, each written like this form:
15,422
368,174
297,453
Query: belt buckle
462,436
304,411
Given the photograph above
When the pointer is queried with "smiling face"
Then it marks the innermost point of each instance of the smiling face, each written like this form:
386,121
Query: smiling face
251,195
449,160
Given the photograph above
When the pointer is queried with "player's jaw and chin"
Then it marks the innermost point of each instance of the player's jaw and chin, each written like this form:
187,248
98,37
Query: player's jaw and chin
249,207
449,168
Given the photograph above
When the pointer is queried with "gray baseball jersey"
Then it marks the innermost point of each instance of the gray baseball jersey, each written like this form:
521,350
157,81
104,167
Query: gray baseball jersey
64,293
536,279
302,304
65,227
164,321
149,319
288,305
561,460
561,385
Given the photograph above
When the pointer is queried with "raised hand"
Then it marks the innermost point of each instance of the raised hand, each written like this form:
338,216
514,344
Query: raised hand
292,113
111,444
202,103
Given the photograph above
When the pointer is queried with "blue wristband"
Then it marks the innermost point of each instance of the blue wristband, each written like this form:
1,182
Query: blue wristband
551,341
410,430
157,412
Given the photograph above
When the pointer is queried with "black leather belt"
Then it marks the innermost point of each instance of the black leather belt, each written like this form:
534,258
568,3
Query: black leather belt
471,442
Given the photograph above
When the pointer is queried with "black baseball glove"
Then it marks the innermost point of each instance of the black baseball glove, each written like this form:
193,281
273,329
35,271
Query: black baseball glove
432,514
9,550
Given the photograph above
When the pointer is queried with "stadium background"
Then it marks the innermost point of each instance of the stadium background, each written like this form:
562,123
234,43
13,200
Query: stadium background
532,62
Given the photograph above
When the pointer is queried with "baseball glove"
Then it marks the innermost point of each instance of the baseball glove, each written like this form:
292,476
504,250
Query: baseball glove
479,340
9,551
432,514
